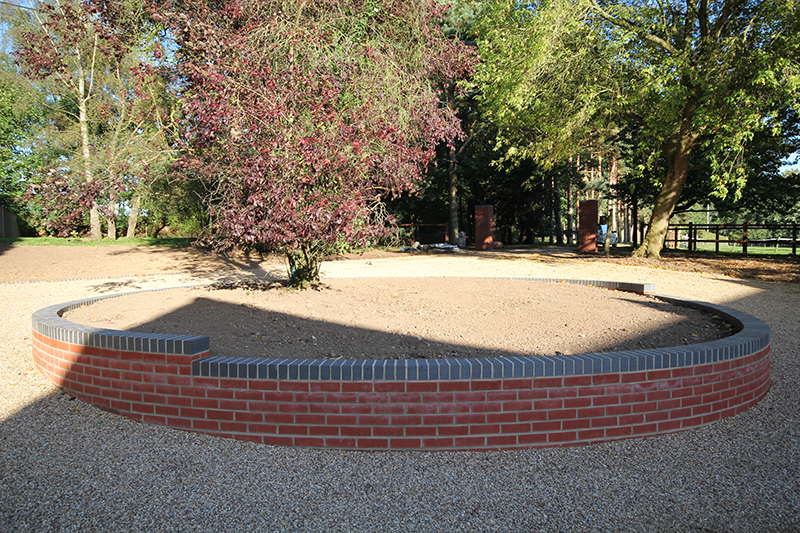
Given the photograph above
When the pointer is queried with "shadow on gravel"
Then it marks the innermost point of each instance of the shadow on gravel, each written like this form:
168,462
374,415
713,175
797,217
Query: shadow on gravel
260,277
66,466
51,263
771,268
5,247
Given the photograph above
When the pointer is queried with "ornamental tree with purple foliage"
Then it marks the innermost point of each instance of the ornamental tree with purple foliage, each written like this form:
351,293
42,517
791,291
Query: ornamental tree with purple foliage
301,116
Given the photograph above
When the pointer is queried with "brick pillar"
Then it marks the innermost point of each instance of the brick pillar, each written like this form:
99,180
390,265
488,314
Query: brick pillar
484,227
587,225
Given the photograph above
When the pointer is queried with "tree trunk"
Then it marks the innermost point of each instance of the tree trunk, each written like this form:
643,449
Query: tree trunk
452,189
607,242
453,196
557,211
613,214
112,212
96,231
112,218
677,149
133,218
452,182
304,265
570,209
677,152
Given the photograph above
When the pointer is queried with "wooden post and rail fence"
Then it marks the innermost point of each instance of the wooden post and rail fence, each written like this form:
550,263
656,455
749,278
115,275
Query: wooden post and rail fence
744,235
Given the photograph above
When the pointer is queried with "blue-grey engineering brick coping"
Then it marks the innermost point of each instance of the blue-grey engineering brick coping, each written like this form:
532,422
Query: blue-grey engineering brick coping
49,323
752,336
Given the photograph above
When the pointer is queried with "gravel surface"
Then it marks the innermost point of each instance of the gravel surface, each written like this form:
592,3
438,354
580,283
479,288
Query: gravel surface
66,466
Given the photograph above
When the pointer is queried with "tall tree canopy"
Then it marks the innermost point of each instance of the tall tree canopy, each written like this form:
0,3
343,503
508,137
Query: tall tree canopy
85,60
301,116
692,74
19,118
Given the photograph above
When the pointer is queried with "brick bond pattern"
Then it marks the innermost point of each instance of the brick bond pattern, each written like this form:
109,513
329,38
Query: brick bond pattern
455,404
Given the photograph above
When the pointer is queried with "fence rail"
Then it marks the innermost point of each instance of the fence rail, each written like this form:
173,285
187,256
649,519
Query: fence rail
733,235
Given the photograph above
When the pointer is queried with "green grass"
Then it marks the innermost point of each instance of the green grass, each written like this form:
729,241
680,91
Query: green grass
727,249
172,242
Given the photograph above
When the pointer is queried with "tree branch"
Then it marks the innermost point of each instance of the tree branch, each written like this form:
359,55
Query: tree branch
469,140
94,61
725,15
632,27
702,18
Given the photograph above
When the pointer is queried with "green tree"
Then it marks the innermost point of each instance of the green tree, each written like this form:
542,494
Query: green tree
20,117
693,75
458,26
174,205
767,191
104,106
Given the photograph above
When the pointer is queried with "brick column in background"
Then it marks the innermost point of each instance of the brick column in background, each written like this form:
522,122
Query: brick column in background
484,227
587,225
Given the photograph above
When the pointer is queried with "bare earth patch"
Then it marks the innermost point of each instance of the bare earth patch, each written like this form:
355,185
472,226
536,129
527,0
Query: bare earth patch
408,318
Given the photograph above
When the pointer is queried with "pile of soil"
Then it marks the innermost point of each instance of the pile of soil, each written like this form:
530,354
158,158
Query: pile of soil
403,318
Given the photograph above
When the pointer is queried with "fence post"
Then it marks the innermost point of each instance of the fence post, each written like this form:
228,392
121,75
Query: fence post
794,238
744,239
716,239
690,238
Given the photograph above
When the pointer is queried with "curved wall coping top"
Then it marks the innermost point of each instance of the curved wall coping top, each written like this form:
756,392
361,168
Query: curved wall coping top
753,335
49,322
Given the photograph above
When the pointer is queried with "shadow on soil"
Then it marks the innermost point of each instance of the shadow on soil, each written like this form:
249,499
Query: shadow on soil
780,268
246,330
6,245
198,259
49,263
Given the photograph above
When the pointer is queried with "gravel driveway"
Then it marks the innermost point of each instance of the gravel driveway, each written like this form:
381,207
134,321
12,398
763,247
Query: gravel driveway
66,466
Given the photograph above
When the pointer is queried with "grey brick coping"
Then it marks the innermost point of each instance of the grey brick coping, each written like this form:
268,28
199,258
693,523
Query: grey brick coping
49,323
752,336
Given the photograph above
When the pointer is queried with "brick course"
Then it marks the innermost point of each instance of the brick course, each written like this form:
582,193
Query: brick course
476,404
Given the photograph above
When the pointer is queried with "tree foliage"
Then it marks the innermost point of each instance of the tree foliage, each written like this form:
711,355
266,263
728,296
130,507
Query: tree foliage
692,75
302,116
767,189
547,79
19,122
105,107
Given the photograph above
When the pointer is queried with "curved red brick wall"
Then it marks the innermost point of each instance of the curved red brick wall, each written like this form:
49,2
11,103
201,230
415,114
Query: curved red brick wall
468,404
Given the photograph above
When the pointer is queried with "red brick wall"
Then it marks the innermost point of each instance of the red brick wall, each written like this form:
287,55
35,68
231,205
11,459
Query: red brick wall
484,227
421,415
588,217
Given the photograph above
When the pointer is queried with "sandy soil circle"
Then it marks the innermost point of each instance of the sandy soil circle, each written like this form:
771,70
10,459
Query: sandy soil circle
408,318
